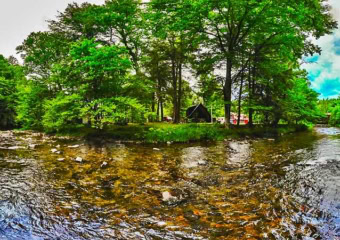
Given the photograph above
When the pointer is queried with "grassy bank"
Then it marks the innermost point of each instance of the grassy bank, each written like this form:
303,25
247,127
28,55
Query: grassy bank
163,132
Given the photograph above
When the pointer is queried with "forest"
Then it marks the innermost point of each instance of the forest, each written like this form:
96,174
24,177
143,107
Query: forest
129,61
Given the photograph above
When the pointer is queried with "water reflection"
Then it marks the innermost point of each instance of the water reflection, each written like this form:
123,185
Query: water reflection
254,189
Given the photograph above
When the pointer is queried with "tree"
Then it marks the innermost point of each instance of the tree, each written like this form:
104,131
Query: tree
10,75
233,25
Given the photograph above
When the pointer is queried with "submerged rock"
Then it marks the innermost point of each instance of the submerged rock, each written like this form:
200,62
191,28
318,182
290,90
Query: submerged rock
54,150
167,197
32,146
176,196
74,146
15,148
161,224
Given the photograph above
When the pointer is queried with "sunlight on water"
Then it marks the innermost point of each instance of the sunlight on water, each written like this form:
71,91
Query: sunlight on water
252,189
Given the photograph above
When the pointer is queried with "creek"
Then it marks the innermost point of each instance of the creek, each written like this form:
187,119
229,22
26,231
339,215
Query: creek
61,188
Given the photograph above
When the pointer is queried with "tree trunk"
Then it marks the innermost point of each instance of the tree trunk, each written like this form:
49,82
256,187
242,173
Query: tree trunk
227,93
179,99
240,99
153,106
174,86
158,110
159,95
252,78
162,110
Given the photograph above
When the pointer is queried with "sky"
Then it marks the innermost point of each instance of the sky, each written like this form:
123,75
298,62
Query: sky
18,18
324,69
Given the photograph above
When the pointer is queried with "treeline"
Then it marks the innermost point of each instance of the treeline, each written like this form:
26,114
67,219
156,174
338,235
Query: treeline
331,109
134,61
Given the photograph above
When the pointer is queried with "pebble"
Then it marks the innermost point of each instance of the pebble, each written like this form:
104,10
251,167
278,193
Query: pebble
54,150
32,146
79,159
61,159
161,224
167,196
74,146
104,164
156,149
15,148
202,162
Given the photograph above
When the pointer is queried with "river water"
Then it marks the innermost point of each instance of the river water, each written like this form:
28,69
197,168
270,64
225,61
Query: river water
286,188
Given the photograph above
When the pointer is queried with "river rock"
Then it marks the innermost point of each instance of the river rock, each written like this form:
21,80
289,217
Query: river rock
79,159
74,146
104,164
54,150
156,149
61,159
15,148
161,224
32,146
167,197
202,162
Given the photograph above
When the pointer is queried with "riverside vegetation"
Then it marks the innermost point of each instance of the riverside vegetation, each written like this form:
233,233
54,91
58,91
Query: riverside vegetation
101,66
182,133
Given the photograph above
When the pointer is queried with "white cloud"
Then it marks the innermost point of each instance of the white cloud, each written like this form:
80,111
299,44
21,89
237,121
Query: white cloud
325,73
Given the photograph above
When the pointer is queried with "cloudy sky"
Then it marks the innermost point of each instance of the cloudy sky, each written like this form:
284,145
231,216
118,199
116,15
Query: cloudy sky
18,18
324,71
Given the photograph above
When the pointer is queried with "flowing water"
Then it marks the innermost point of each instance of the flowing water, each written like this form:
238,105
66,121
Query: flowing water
287,188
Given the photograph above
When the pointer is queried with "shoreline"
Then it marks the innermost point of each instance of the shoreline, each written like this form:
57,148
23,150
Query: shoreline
160,133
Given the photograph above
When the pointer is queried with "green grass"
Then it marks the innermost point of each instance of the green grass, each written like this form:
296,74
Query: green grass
166,132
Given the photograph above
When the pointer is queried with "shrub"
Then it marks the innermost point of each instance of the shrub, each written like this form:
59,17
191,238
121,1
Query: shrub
185,133
29,107
62,113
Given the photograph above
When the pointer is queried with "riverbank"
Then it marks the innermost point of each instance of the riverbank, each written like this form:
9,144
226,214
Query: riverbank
181,133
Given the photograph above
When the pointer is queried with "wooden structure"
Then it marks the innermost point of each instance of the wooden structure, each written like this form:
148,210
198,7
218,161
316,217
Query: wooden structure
198,113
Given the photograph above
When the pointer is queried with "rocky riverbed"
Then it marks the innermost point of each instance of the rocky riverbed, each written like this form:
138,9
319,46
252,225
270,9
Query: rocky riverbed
64,188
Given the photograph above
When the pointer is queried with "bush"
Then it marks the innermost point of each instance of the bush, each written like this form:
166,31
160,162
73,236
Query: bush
116,110
29,108
185,133
62,113
335,117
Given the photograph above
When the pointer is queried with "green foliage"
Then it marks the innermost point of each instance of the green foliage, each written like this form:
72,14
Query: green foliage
185,133
10,75
301,102
29,104
124,61
62,113
7,102
208,132
41,50
335,114
118,110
